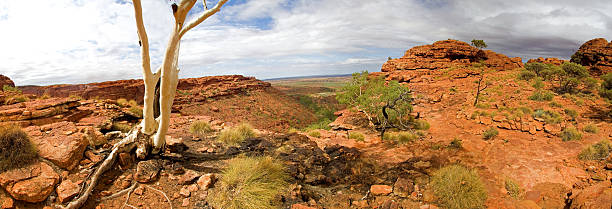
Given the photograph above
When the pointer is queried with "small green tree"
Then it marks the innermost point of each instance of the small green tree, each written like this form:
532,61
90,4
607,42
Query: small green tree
573,75
479,43
605,90
387,104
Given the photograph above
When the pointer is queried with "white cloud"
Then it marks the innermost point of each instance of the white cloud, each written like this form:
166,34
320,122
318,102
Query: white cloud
67,41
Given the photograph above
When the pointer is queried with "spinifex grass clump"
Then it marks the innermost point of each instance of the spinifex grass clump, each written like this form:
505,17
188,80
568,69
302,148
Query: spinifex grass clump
249,182
598,151
200,128
16,150
236,135
458,187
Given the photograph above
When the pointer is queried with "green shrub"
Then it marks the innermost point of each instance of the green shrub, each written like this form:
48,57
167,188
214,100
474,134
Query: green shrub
236,135
555,104
314,133
514,190
542,96
123,127
572,113
598,151
458,187
132,103
590,128
538,84
16,150
250,182
456,143
8,88
356,136
549,116
137,111
605,90
536,68
527,75
122,102
490,133
321,124
571,133
200,128
401,137
421,125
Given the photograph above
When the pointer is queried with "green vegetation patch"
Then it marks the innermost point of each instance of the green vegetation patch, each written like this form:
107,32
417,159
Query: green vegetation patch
490,133
570,134
236,135
16,149
356,136
599,151
458,187
200,128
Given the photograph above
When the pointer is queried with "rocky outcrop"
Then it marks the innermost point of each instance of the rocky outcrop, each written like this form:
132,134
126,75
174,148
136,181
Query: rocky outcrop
596,196
548,60
447,54
59,143
595,54
33,183
41,112
5,81
134,89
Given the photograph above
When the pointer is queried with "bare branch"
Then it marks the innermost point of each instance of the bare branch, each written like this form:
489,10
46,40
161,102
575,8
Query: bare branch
144,40
207,13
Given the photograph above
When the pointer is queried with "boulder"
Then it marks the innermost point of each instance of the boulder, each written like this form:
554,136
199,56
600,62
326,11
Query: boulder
33,183
449,53
380,189
66,190
60,145
403,187
548,60
206,181
188,178
147,171
595,54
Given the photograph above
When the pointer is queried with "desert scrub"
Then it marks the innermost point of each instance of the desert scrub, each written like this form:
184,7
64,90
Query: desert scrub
421,125
456,143
458,187
542,96
555,104
590,128
598,151
250,182
548,116
514,190
123,127
122,102
490,133
315,133
356,136
572,113
402,137
16,150
236,135
137,111
132,103
526,75
200,128
570,134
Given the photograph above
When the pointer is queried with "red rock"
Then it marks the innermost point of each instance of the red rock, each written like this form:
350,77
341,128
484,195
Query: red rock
449,53
93,157
193,188
595,54
188,177
126,160
206,181
147,171
140,190
6,81
64,151
185,202
33,183
595,196
428,207
300,206
66,190
185,191
8,203
403,187
381,189
175,144
549,60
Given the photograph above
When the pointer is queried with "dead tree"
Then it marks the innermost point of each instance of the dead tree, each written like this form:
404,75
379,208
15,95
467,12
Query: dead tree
479,89
149,135
391,105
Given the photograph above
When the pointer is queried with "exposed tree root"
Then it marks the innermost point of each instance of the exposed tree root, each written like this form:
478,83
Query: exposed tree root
119,193
127,199
163,193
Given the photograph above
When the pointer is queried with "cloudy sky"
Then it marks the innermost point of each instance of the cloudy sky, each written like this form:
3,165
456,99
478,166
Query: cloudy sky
80,41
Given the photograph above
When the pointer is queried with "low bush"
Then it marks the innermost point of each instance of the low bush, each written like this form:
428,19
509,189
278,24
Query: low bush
122,102
456,143
236,135
490,133
549,116
514,190
16,150
458,187
421,125
590,128
314,133
527,75
132,103
605,90
356,136
599,151
123,127
8,88
200,128
250,182
570,134
572,113
137,111
542,96
402,137
555,104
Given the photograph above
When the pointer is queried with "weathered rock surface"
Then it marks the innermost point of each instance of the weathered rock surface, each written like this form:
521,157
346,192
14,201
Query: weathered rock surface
147,171
596,54
66,190
548,60
5,81
596,196
449,53
191,88
41,112
59,142
33,183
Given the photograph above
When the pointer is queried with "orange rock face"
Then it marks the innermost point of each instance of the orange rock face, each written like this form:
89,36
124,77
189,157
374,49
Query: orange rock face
447,54
596,54
31,184
5,81
548,60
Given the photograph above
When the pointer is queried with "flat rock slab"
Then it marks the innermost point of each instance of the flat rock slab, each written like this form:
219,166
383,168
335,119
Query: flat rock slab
33,183
61,144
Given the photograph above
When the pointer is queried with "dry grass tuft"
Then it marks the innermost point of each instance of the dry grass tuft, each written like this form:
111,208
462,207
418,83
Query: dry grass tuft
200,128
16,150
236,135
458,187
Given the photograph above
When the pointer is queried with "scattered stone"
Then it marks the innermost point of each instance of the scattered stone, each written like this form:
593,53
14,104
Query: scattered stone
33,183
139,190
528,204
428,207
193,188
176,195
360,204
64,151
380,189
146,171
126,160
185,202
403,187
93,157
185,191
175,145
188,177
206,181
532,195
8,203
66,190
389,204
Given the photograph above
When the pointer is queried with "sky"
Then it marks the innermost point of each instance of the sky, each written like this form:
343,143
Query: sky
45,42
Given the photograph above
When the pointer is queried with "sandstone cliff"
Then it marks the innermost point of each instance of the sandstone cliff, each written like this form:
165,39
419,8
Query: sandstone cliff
595,54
